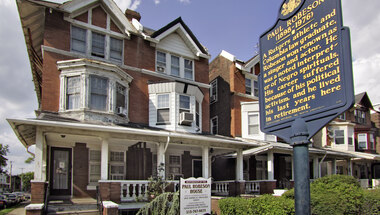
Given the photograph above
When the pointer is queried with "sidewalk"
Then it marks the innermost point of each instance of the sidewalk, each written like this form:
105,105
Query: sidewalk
20,210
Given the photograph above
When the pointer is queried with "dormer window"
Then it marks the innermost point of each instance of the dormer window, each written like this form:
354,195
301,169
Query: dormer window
174,65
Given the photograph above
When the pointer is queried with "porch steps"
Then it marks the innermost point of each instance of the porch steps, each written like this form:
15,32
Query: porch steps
85,206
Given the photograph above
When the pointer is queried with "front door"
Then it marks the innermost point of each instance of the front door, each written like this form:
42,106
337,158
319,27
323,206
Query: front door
197,168
60,171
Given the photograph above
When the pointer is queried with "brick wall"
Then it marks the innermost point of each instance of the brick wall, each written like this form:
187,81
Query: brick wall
99,17
57,31
236,114
222,107
38,192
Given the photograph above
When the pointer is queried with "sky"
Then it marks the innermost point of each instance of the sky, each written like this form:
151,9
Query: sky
234,26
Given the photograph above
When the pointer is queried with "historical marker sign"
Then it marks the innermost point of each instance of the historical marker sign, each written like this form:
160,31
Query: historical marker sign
195,196
306,67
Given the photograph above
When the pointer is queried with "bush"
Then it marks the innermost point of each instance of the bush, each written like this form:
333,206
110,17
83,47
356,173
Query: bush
164,204
266,204
371,203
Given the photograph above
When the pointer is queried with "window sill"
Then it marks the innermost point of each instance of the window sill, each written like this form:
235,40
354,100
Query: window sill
163,123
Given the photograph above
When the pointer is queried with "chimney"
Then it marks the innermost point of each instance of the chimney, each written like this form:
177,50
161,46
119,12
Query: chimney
130,14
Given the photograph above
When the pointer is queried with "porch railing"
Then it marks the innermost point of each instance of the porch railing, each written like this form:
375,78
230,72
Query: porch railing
221,187
132,191
252,187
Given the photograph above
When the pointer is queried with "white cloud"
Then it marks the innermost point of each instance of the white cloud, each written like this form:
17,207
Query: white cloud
156,2
363,19
131,4
185,1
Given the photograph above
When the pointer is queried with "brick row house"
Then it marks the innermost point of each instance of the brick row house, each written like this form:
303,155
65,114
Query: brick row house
118,102
234,111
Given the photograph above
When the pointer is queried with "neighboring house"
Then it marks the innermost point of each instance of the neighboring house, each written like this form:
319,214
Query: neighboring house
232,82
4,182
353,132
118,102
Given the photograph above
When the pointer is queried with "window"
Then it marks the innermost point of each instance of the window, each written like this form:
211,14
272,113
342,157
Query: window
372,141
213,91
362,141
78,39
214,125
163,108
261,168
73,92
360,116
197,123
342,116
121,95
117,165
161,61
99,91
248,86
184,103
175,66
116,49
188,69
94,165
256,88
174,164
339,136
97,46
253,124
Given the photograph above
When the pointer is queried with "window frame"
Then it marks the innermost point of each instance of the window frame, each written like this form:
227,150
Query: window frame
99,94
341,138
163,108
169,66
72,39
77,93
257,124
175,165
372,142
214,84
94,163
254,86
364,135
117,163
213,124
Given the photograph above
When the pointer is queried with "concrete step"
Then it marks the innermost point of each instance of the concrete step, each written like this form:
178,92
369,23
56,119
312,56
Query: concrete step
82,212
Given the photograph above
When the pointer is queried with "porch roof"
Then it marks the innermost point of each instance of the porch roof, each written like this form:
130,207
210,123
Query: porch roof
360,155
287,147
25,129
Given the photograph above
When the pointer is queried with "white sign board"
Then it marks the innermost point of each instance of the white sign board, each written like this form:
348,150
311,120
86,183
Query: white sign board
195,196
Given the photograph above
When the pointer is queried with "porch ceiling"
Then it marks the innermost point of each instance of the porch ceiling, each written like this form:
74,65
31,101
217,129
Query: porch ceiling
25,130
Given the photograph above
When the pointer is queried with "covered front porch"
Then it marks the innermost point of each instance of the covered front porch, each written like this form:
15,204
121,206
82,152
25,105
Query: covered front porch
74,158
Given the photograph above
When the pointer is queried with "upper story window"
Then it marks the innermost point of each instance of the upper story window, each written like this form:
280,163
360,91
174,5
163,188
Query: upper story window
253,124
214,91
174,65
100,45
251,87
342,116
360,116
371,142
99,93
339,136
163,113
362,141
184,103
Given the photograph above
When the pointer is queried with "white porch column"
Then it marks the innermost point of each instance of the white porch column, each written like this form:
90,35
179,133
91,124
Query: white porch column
104,160
205,161
315,168
39,161
270,163
333,167
161,160
239,165
350,170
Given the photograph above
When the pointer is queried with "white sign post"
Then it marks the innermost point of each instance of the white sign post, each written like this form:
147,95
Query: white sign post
195,196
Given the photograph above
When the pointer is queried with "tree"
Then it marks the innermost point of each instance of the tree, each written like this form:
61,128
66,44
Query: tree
26,178
4,149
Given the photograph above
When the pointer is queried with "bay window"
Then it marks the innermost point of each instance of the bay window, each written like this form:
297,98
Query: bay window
339,136
184,103
121,96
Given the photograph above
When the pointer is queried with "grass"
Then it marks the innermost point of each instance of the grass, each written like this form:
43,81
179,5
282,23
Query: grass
7,210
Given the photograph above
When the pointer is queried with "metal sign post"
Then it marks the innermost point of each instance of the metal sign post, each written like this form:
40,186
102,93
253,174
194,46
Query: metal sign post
305,79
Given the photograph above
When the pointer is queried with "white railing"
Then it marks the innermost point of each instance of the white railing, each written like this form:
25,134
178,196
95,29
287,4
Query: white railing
221,187
252,187
364,183
375,183
132,191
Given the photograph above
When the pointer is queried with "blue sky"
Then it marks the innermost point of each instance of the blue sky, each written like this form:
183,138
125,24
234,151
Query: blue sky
234,26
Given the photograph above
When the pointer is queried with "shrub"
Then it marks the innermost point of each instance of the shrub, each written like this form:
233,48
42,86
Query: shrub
235,205
272,205
164,204
371,203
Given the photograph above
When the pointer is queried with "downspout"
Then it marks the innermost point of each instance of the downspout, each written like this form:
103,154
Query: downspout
320,165
167,143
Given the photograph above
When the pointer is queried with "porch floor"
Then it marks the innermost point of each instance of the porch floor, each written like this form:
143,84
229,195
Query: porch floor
68,205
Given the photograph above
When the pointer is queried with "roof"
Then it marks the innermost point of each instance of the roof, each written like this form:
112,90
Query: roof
172,26
363,99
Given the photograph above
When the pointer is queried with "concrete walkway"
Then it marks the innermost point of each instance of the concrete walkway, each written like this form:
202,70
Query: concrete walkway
20,210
